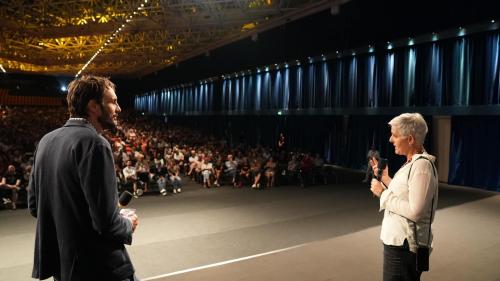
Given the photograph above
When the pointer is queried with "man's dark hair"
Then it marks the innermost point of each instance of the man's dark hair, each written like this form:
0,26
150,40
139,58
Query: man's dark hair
84,89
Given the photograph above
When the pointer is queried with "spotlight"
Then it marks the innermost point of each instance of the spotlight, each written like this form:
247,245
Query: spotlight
461,31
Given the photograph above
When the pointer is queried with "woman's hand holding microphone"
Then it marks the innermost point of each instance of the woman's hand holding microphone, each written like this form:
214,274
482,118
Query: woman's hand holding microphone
381,178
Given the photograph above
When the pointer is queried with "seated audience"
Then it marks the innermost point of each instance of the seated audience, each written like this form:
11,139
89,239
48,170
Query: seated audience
174,176
207,171
10,185
231,169
256,173
130,176
270,171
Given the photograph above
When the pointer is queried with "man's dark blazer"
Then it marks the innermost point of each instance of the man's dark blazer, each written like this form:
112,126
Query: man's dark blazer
80,234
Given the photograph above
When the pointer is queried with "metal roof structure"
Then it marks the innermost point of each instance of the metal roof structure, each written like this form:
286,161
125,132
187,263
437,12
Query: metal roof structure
132,38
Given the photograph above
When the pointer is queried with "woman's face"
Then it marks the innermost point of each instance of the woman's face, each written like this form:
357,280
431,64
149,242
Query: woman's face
400,142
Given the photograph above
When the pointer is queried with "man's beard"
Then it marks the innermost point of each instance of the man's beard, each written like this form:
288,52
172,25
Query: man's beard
106,121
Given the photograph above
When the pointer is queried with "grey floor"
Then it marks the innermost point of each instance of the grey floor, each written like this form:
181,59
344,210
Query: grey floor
332,232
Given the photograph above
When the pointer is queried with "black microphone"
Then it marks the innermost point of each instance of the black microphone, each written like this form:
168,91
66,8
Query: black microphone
382,163
124,199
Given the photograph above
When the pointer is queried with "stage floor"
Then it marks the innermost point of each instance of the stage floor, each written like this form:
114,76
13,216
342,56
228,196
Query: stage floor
319,233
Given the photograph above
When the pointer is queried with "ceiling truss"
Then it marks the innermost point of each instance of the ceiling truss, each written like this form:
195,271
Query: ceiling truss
58,37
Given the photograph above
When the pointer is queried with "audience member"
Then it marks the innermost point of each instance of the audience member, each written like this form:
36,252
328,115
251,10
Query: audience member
10,185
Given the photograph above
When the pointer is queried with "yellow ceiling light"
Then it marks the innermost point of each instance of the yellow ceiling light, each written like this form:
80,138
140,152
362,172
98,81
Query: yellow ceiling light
248,26
81,22
259,3
103,19
60,41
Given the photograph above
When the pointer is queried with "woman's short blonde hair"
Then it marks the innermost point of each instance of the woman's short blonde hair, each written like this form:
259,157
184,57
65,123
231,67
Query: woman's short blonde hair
410,124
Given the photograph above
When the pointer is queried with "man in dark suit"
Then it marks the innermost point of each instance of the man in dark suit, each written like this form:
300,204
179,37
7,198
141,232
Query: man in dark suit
80,234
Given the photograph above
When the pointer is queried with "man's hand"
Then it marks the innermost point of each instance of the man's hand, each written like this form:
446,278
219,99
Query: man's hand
135,221
130,215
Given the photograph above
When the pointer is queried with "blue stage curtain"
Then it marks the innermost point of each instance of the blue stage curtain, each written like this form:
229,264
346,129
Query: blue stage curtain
456,72
224,94
259,91
277,91
474,155
196,95
370,82
324,89
352,82
250,101
286,89
309,89
337,78
299,88
409,77
492,70
461,70
386,80
243,93
429,74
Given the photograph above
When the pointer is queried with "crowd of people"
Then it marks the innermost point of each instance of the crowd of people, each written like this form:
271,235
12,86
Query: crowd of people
153,156
21,128
150,154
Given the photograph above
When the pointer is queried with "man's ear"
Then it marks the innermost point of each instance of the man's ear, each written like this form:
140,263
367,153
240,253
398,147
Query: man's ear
93,108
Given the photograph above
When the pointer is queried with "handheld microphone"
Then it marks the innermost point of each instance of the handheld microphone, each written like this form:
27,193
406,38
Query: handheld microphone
382,164
124,199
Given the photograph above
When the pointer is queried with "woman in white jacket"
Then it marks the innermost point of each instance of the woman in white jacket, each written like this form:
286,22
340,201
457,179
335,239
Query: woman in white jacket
409,199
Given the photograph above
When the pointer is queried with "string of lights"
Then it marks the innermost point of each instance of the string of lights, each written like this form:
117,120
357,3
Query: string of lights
111,38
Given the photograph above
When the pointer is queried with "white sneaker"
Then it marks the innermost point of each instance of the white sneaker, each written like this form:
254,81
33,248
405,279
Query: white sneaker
178,190
253,186
163,192
175,191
